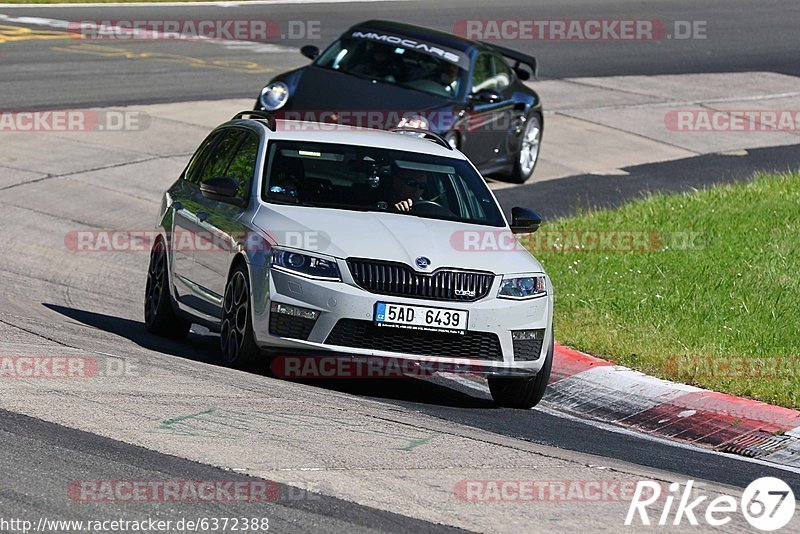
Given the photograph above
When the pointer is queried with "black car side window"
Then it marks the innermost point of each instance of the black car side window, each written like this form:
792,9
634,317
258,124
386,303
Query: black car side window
482,73
222,155
243,165
195,168
502,73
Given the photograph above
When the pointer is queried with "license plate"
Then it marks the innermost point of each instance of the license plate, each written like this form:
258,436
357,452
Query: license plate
421,318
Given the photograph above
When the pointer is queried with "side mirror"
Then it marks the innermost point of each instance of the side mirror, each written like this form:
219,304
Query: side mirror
524,221
522,74
486,96
222,189
310,51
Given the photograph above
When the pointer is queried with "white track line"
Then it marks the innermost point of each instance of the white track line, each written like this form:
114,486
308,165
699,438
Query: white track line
608,427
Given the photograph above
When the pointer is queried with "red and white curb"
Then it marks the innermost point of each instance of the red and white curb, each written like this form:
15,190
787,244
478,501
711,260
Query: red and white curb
595,389
598,389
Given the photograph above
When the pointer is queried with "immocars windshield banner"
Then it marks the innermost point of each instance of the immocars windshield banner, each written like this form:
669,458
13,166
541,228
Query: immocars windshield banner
435,50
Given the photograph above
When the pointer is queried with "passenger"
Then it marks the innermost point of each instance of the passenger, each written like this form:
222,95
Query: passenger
448,77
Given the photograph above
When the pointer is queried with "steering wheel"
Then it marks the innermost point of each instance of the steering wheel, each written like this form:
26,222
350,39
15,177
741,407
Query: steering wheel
429,207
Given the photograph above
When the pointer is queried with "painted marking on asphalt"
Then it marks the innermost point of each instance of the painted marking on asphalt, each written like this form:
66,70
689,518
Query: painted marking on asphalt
9,34
233,424
245,67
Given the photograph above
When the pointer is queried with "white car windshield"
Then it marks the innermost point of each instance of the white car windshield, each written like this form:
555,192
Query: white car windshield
378,179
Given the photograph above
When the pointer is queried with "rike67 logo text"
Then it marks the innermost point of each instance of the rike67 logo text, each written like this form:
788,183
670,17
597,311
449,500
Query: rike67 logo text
768,504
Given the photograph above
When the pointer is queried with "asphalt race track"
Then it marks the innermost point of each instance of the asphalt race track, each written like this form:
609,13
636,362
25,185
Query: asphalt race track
744,38
380,455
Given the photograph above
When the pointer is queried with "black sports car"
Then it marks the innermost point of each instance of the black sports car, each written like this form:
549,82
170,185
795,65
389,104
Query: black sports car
384,74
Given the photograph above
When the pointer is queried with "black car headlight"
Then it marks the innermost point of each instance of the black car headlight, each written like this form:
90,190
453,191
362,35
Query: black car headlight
522,287
274,96
305,265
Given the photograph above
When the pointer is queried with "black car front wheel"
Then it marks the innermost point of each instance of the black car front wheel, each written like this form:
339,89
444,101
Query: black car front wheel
159,315
236,331
522,392
528,153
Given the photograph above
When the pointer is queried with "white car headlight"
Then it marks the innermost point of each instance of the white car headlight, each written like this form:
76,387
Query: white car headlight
274,96
305,265
522,287
414,121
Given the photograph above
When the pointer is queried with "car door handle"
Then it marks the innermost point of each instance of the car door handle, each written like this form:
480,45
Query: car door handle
202,216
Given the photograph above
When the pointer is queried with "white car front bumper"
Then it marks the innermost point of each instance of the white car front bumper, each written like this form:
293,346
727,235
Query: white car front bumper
486,348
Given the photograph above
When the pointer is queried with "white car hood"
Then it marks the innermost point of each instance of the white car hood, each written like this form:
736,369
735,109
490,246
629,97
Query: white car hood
393,237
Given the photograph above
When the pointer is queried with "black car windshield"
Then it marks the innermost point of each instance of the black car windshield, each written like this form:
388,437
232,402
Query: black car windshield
395,65
377,179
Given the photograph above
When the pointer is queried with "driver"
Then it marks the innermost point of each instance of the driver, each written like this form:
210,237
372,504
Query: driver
286,178
407,186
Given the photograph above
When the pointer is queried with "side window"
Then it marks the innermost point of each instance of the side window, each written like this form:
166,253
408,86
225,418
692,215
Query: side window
243,165
195,168
222,154
502,74
482,73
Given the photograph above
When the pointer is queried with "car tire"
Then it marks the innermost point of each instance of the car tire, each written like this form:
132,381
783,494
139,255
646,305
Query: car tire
236,339
522,392
159,314
527,155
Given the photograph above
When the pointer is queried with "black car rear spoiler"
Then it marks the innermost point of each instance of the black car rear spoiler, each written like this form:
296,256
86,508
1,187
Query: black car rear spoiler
518,57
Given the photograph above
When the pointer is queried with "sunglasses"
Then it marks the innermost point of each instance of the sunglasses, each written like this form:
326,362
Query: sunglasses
414,183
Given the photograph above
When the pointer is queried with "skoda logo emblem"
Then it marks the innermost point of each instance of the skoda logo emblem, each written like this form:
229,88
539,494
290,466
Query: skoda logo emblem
423,262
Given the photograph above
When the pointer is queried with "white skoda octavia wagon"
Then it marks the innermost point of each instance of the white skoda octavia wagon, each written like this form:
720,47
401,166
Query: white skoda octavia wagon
327,241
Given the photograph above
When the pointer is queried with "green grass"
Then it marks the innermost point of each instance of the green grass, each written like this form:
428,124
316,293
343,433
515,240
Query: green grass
731,299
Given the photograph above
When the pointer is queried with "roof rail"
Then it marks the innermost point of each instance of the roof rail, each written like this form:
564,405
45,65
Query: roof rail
426,134
263,115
